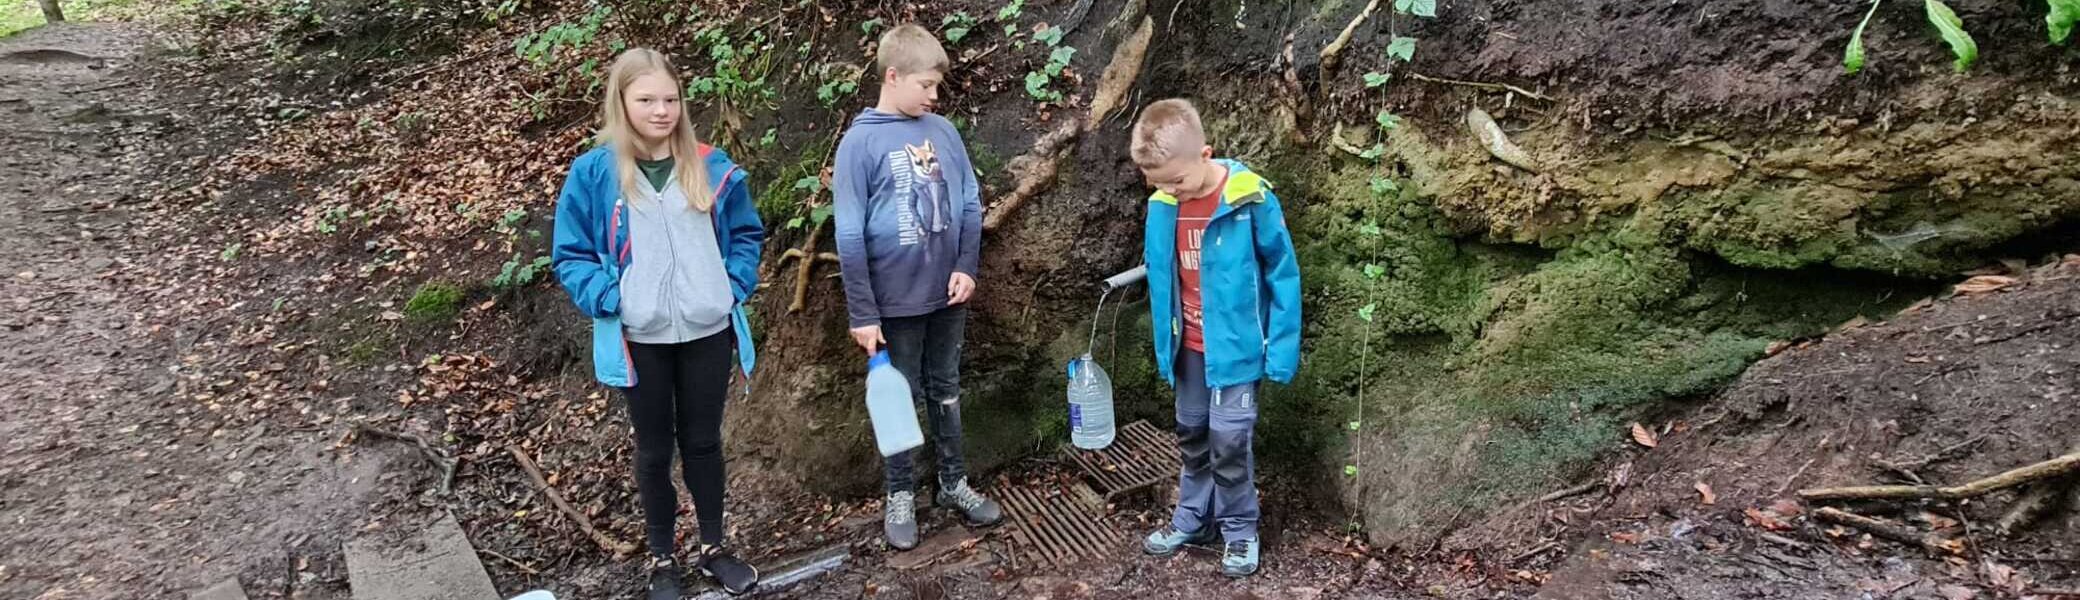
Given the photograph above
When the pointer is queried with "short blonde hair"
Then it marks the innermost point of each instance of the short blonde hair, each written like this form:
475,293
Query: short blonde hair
1166,130
911,49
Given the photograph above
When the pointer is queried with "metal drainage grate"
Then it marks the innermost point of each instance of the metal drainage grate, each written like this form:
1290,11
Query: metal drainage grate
1139,456
1055,525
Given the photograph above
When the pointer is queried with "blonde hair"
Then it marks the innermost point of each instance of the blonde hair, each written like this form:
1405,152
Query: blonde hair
1166,130
619,133
911,49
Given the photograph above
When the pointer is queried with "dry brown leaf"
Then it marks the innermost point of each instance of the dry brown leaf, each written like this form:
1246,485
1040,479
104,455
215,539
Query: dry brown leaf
1985,283
1917,359
1625,537
1776,347
1765,520
1706,491
1937,522
2006,577
1644,437
1786,507
1953,591
1859,321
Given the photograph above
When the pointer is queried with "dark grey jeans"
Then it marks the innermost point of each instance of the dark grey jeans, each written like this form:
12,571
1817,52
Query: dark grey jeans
927,350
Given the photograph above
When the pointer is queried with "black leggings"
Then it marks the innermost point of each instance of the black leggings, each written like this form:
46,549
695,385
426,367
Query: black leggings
676,404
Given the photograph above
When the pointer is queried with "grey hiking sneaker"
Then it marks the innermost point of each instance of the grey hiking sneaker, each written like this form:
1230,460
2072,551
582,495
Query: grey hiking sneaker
979,511
1168,540
899,520
736,576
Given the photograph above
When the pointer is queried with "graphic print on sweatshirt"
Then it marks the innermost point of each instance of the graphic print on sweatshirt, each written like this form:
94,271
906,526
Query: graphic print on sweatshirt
920,191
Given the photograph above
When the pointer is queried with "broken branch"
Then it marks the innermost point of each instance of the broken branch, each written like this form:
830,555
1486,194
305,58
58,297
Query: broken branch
1331,52
1482,85
434,455
1035,171
2056,467
542,483
1881,529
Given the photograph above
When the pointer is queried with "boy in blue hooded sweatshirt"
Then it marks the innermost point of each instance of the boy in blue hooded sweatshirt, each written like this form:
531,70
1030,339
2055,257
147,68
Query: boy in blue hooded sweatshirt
909,230
1224,287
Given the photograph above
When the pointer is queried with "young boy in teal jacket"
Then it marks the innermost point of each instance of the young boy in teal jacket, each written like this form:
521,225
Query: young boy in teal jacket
1224,287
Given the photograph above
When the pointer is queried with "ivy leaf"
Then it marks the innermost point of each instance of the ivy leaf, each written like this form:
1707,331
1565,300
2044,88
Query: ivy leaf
1852,57
1952,28
1382,186
811,184
1350,470
1012,10
1353,425
1373,271
1375,79
1062,55
1373,153
1387,121
1404,48
1052,36
1367,312
954,34
869,26
1403,6
794,223
1369,228
2064,14
821,214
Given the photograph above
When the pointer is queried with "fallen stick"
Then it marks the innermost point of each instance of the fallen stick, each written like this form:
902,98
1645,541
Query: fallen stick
1881,529
434,455
542,483
1482,85
1331,52
523,567
2056,467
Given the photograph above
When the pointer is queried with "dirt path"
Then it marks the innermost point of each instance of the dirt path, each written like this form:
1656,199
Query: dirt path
114,482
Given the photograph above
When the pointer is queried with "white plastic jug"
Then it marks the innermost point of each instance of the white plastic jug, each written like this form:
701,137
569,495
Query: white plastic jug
890,407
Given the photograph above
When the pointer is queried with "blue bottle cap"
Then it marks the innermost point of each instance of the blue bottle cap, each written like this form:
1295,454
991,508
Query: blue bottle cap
880,358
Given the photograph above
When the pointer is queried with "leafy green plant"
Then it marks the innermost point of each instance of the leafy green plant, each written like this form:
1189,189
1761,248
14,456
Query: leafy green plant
839,82
515,273
328,223
541,48
739,76
956,26
1039,83
1421,8
2064,14
771,137
1963,49
230,252
868,27
1375,79
1952,28
1011,10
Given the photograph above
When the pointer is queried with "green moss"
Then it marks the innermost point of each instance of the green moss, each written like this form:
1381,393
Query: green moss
781,200
434,301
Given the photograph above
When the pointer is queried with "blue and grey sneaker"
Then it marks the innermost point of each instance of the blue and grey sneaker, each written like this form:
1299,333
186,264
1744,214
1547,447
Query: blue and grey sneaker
1240,560
1168,540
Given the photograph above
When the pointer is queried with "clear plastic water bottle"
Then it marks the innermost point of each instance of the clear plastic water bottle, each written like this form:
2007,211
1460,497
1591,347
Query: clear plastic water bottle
1090,404
890,407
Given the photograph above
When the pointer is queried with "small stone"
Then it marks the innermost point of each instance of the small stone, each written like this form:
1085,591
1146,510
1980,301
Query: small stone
99,263
237,477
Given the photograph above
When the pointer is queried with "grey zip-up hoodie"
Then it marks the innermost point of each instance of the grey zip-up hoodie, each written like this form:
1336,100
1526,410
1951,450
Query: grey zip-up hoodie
675,288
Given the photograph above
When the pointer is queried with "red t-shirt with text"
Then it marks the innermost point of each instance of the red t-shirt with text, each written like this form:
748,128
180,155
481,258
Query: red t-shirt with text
1192,217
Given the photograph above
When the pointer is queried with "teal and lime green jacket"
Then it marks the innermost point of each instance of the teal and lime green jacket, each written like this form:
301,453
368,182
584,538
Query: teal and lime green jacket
1249,285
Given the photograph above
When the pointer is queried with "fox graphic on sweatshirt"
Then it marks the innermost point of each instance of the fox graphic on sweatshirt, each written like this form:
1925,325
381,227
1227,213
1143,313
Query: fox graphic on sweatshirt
908,214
